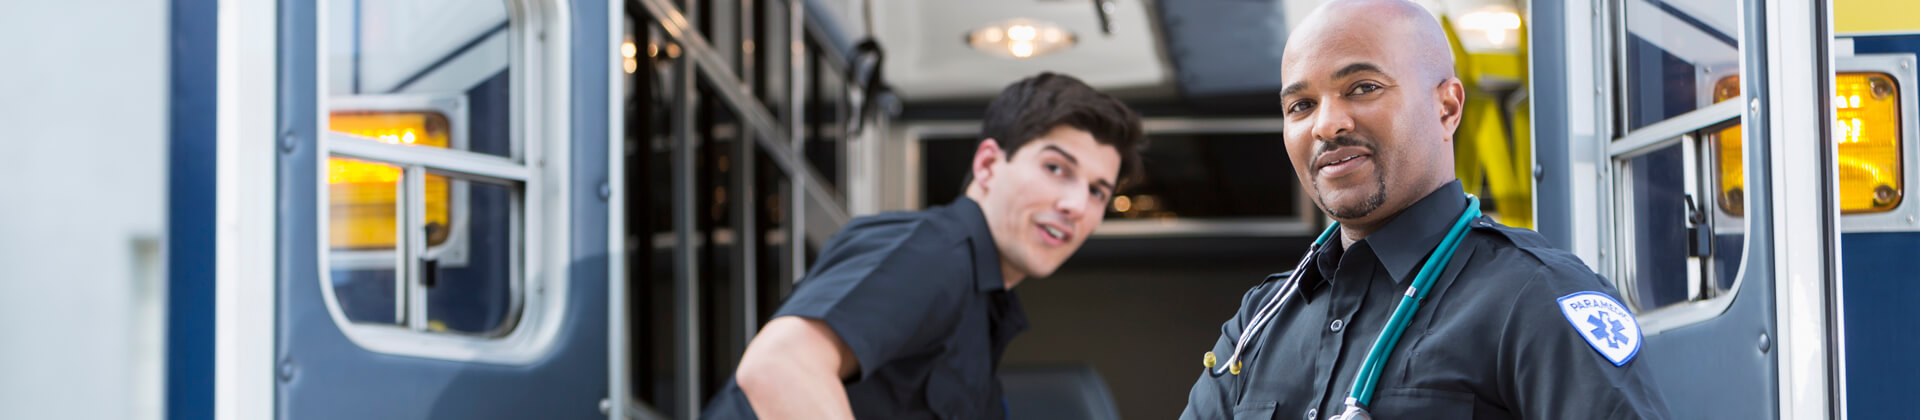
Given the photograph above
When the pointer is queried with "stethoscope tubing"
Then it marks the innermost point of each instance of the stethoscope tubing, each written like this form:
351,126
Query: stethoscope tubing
1369,374
1273,304
1410,303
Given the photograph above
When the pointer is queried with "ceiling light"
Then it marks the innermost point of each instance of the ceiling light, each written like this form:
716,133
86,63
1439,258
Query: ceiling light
1020,38
1499,27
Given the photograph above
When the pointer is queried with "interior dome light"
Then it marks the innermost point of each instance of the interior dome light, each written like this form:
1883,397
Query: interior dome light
1020,38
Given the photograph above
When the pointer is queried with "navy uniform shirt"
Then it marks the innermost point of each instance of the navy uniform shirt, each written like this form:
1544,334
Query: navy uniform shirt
918,297
1511,329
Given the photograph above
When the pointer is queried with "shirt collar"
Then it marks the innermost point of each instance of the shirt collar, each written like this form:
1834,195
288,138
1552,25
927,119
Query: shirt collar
1404,242
986,256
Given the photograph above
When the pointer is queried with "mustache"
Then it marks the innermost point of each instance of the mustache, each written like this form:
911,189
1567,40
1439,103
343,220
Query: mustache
1345,140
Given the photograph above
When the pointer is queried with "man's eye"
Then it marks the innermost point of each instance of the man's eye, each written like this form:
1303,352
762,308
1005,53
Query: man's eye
1299,106
1054,169
1365,88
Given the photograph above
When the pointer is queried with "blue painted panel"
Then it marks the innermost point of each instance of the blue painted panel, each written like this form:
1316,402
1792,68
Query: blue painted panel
191,172
1879,291
1886,44
1552,195
332,378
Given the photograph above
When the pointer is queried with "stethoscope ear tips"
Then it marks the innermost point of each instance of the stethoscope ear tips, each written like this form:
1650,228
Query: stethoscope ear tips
1210,360
1234,368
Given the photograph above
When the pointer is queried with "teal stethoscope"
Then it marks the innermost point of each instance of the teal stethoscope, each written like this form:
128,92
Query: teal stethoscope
1362,394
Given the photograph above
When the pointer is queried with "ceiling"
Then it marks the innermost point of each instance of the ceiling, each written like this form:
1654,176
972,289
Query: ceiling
927,60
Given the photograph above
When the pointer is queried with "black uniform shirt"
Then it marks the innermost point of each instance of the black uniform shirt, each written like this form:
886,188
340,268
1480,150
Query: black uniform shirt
1490,341
918,297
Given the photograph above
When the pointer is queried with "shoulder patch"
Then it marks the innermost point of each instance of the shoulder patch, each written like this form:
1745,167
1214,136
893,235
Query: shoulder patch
1604,323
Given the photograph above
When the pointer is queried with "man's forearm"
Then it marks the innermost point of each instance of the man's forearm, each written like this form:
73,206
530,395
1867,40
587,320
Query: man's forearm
794,391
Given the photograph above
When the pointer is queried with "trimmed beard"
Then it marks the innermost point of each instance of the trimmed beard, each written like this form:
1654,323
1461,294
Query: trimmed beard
1373,202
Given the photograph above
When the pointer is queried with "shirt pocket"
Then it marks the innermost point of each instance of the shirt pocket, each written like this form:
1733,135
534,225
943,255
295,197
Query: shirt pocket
1254,410
1418,403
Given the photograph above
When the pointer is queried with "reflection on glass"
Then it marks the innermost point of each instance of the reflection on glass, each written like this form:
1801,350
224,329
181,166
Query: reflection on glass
1729,166
1659,215
424,129
473,293
398,46
1675,51
403,59
1730,169
362,207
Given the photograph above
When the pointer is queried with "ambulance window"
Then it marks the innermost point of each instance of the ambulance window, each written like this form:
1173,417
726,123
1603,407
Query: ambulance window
1673,53
1656,255
428,174
362,212
1676,236
476,297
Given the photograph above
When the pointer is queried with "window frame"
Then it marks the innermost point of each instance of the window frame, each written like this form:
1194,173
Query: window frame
454,251
538,95
1625,142
1699,269
1688,127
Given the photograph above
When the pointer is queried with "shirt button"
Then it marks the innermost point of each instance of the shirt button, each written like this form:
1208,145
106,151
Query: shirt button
1313,413
1337,325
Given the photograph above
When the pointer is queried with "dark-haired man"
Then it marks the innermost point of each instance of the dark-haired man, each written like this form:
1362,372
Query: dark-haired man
905,315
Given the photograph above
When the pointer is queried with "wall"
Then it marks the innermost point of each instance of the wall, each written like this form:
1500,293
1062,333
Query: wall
82,97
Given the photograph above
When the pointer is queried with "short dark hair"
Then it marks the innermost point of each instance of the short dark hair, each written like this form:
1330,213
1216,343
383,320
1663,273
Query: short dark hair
1031,107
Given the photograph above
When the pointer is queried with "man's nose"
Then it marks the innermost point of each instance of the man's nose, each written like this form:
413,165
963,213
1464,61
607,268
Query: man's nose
1073,202
1332,120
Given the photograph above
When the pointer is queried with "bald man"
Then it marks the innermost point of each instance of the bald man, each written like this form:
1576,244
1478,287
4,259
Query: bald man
1509,327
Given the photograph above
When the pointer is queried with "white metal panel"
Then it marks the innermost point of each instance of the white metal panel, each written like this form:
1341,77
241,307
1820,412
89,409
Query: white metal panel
618,374
1807,243
1584,130
245,211
83,97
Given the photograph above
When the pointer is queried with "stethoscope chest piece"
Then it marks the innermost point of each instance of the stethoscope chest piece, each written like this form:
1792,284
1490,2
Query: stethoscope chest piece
1354,412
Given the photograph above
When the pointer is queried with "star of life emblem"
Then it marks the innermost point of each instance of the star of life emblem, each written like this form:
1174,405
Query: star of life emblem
1604,323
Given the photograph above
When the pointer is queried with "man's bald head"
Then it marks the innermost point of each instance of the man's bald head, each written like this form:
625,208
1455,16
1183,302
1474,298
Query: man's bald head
1398,25
1370,103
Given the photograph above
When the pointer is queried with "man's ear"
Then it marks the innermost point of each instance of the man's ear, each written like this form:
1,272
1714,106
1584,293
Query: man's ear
986,159
1452,96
